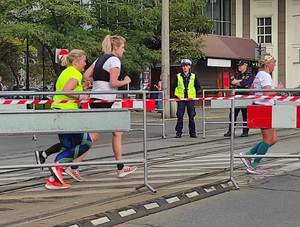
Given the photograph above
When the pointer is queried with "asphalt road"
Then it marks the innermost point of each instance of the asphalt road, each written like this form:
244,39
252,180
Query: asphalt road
275,202
21,145
175,165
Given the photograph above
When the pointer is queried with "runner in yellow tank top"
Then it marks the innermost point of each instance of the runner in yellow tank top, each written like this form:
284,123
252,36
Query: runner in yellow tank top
74,145
69,74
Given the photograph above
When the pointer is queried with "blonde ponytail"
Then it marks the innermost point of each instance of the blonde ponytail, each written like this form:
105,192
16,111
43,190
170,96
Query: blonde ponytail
106,45
74,55
109,42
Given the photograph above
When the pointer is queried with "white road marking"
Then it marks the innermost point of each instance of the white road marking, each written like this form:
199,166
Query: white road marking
100,221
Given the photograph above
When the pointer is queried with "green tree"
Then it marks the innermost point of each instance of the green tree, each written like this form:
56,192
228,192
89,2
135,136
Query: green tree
140,23
54,24
10,58
187,23
137,22
49,24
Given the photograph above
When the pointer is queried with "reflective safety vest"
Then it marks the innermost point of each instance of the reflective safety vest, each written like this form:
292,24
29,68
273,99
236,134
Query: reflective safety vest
180,89
69,73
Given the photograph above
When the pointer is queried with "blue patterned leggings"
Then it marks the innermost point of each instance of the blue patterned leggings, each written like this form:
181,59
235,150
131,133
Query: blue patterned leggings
73,146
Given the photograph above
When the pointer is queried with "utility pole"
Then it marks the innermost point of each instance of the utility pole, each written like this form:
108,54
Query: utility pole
165,56
27,65
43,59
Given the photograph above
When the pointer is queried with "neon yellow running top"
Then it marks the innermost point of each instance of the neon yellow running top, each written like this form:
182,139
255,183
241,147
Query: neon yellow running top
69,73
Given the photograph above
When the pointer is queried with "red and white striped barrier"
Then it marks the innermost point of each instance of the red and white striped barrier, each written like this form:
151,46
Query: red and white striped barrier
124,104
137,102
251,97
273,116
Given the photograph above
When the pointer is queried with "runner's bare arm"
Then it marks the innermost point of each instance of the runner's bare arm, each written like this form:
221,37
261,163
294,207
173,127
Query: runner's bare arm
88,75
114,74
70,86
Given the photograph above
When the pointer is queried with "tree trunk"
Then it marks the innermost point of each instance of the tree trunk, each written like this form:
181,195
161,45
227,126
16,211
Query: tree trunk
16,76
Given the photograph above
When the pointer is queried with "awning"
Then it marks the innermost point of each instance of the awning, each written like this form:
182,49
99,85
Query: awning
228,47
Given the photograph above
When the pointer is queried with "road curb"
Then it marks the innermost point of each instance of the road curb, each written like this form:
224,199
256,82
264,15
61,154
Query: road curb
145,208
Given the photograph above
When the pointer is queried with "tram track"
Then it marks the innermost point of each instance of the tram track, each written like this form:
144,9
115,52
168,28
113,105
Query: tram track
151,161
194,153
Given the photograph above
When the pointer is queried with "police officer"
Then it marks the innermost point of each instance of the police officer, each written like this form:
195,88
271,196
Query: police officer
187,86
242,79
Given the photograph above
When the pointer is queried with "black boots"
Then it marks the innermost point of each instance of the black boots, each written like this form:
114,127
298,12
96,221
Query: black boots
227,134
193,135
178,135
245,132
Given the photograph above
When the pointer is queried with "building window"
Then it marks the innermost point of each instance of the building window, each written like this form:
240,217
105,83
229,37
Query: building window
220,13
264,30
297,57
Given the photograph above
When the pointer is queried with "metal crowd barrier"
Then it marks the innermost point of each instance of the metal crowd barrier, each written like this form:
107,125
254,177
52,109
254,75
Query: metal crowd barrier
69,121
233,105
161,110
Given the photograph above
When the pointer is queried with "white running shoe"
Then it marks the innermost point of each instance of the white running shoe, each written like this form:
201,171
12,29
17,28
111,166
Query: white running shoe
126,170
74,173
257,171
246,161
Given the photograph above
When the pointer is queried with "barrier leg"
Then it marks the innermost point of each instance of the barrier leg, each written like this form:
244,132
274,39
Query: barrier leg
35,139
232,142
146,184
163,116
203,115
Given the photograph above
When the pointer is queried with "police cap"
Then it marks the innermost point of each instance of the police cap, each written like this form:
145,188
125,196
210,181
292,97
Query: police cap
242,62
186,62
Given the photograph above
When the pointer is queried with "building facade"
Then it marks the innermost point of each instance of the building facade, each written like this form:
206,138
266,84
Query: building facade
275,24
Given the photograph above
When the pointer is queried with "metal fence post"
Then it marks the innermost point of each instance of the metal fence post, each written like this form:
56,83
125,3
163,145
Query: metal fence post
203,114
145,147
163,116
232,126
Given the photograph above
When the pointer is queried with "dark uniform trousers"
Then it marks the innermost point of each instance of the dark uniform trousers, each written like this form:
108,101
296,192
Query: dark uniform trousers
190,106
244,116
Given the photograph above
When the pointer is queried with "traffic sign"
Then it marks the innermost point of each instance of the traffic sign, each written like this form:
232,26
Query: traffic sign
59,53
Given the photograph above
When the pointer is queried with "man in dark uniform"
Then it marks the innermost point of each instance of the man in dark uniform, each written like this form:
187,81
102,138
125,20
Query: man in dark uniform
186,86
242,79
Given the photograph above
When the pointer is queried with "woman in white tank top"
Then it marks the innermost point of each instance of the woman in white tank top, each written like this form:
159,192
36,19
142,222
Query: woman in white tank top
263,80
106,79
